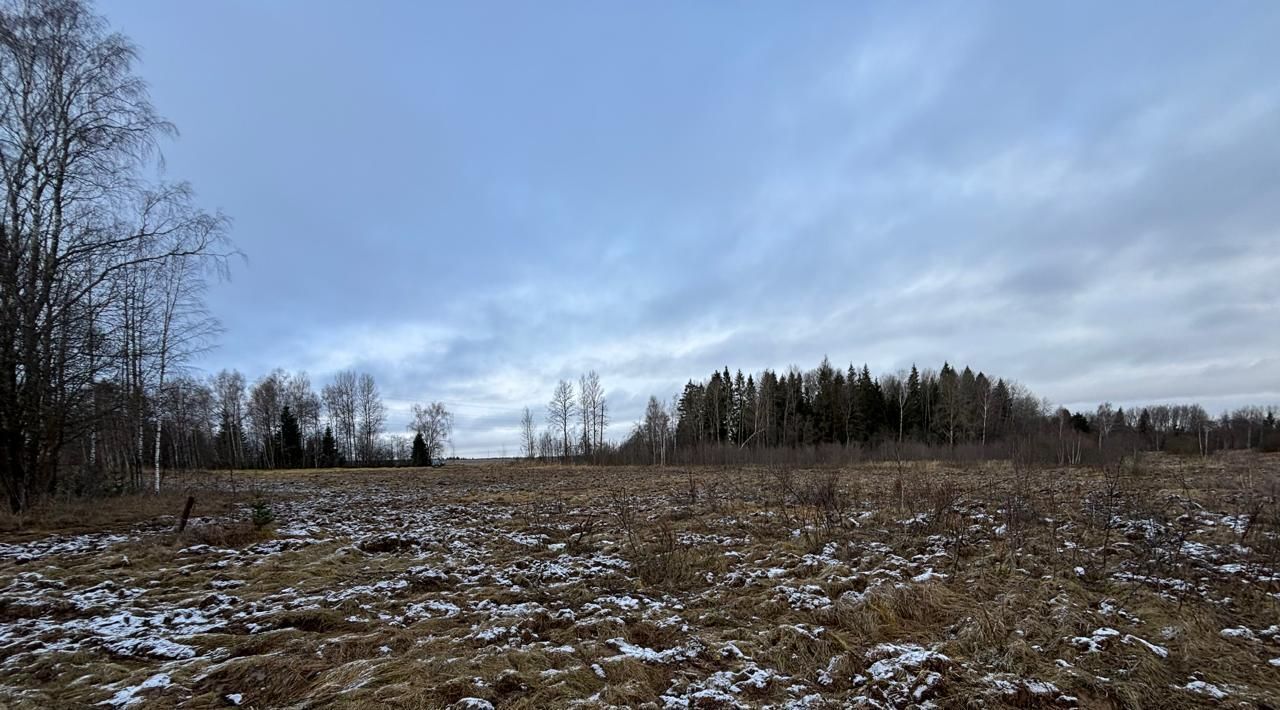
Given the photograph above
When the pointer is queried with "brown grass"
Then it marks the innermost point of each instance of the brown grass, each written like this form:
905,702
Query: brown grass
81,515
719,558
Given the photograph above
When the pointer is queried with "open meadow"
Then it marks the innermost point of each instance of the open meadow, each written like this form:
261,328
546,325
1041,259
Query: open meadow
1149,584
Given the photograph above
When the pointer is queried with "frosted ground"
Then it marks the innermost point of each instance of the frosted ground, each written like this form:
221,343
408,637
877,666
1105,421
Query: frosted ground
1152,585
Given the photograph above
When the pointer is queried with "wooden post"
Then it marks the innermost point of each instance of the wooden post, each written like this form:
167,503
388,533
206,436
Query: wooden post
186,513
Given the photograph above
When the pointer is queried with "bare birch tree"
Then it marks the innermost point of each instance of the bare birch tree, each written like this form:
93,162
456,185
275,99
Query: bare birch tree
372,414
185,327
528,434
435,424
560,412
591,411
228,393
340,401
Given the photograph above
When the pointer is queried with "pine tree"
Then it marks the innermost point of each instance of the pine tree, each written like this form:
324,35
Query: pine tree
419,455
968,404
871,403
690,426
1120,422
328,449
915,415
290,439
1002,405
857,416
824,403
948,407
839,406
714,410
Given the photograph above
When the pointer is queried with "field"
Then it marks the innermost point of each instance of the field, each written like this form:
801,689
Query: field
1153,583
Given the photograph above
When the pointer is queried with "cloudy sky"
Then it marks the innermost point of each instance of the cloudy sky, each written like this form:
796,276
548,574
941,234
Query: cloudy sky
473,200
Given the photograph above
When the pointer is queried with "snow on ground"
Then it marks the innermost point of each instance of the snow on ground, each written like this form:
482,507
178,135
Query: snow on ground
365,583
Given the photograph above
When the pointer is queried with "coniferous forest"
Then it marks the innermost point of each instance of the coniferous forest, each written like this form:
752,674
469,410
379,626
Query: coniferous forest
832,415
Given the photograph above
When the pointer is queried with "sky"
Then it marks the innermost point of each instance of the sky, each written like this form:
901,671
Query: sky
473,200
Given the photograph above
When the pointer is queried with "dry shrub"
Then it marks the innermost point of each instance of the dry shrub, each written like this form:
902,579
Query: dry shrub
823,494
666,562
981,631
795,651
235,534
943,499
584,526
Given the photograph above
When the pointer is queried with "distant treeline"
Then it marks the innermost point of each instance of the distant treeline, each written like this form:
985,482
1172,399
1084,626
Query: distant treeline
829,414
277,421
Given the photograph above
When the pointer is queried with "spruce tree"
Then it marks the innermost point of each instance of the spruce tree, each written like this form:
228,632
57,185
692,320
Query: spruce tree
328,449
915,405
290,439
871,402
419,456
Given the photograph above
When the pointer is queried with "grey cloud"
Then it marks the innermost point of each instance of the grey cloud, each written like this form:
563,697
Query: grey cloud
1085,198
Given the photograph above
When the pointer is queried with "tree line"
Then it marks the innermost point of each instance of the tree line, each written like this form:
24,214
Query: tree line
281,421
102,265
834,413
103,270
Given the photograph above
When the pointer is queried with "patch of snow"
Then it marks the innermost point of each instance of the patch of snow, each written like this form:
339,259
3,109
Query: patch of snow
1095,641
896,658
1160,651
1203,688
153,647
648,655
128,696
927,576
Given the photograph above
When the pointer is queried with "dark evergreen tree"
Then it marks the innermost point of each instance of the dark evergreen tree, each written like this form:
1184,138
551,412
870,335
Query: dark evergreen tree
714,411
871,404
915,405
1119,422
290,440
419,455
691,415
1002,404
968,404
826,402
947,407
329,449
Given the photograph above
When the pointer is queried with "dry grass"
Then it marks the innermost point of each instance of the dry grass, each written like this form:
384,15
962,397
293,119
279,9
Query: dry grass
77,515
1149,584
